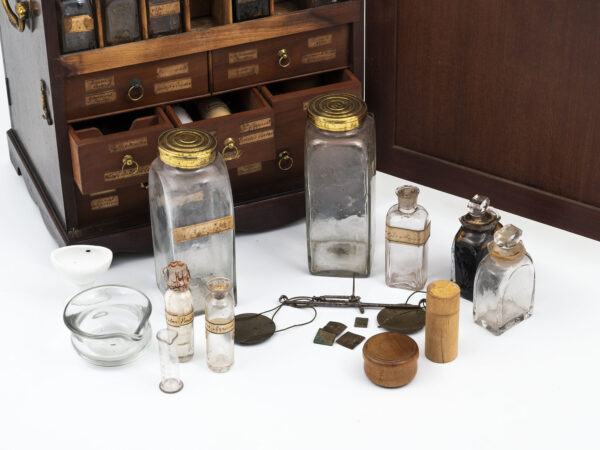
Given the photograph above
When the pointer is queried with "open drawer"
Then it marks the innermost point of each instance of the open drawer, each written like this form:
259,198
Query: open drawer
245,137
115,151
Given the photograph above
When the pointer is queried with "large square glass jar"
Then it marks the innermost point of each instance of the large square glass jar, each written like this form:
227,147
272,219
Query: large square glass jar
339,160
191,210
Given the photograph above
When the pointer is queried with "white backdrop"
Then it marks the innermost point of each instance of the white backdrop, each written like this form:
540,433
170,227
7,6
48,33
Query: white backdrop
534,387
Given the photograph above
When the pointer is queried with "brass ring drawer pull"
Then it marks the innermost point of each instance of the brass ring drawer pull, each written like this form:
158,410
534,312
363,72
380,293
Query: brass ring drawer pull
128,162
285,160
284,58
136,90
21,14
230,151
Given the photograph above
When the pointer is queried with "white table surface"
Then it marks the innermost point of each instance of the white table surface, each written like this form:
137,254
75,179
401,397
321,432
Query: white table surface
536,386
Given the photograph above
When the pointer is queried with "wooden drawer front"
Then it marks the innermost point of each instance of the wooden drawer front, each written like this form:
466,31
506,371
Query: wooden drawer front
250,126
259,62
113,205
162,82
112,160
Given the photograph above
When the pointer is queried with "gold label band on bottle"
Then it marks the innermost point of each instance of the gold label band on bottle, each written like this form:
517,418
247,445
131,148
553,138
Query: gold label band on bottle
78,24
201,230
409,237
175,320
220,328
166,9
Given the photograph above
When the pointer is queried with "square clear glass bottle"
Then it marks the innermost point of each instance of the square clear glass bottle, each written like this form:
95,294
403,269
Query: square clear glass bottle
339,163
77,25
191,210
504,283
121,21
407,231
164,17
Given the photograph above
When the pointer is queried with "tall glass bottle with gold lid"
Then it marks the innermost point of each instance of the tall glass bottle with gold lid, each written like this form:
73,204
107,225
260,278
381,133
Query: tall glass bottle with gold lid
339,161
191,210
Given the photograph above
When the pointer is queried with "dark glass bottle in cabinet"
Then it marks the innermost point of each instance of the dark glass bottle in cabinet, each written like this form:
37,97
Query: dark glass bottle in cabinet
164,17
122,21
471,241
78,31
250,9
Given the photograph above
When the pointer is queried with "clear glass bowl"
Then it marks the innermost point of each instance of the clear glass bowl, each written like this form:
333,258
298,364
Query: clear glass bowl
109,324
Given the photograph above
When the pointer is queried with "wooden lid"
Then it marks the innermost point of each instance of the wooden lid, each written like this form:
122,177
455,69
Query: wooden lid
443,297
391,349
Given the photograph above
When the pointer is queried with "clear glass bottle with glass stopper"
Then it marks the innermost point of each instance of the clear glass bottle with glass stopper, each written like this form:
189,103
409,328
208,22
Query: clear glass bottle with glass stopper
78,31
407,231
169,362
121,21
220,325
179,308
504,283
470,244
164,17
339,162
191,210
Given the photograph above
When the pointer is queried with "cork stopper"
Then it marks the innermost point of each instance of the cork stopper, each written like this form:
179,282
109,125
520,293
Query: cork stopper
407,197
177,276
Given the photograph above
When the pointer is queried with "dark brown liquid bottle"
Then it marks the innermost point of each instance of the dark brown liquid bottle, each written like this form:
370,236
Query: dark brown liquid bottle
76,19
164,17
250,9
470,243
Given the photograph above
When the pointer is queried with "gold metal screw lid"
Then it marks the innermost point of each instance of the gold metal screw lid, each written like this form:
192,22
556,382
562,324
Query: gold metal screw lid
337,112
186,148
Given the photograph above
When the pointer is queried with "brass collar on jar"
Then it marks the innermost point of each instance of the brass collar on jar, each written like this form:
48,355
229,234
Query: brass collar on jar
337,112
186,148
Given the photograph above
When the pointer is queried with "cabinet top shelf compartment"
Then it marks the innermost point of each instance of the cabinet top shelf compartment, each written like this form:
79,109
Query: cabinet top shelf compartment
202,40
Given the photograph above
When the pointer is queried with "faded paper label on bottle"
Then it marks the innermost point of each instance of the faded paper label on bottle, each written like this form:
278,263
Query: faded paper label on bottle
200,230
409,237
78,24
220,328
165,9
175,320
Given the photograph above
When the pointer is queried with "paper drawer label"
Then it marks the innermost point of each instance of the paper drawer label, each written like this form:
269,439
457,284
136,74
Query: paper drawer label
166,9
175,320
78,24
257,137
126,173
100,98
104,203
242,56
325,55
249,168
319,41
241,72
204,229
410,237
172,71
172,85
100,84
255,125
128,145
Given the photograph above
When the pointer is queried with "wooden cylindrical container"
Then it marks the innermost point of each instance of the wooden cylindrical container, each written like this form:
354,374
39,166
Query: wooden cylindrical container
441,321
390,359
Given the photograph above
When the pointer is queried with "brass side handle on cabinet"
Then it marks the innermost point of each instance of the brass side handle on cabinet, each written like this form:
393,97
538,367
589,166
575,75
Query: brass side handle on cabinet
230,151
136,90
285,160
45,110
20,15
284,58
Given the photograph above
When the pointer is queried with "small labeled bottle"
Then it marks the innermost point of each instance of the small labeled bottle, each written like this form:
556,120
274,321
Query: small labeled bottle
191,210
470,244
407,231
77,25
179,308
220,325
250,9
504,283
164,17
122,21
339,171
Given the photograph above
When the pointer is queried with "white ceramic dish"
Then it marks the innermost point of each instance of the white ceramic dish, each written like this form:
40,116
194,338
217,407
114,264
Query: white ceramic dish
82,264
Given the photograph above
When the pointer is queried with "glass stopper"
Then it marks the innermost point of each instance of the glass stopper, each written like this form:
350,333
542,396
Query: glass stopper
478,205
508,236
407,197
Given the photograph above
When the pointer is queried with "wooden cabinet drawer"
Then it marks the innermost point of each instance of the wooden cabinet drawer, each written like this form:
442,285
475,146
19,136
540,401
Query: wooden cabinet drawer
114,205
132,87
115,151
265,61
249,128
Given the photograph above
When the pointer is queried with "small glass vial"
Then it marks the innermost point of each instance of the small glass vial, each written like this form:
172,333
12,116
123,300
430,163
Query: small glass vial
179,308
191,210
164,17
470,244
122,21
78,30
339,161
250,9
220,325
169,363
407,232
504,283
